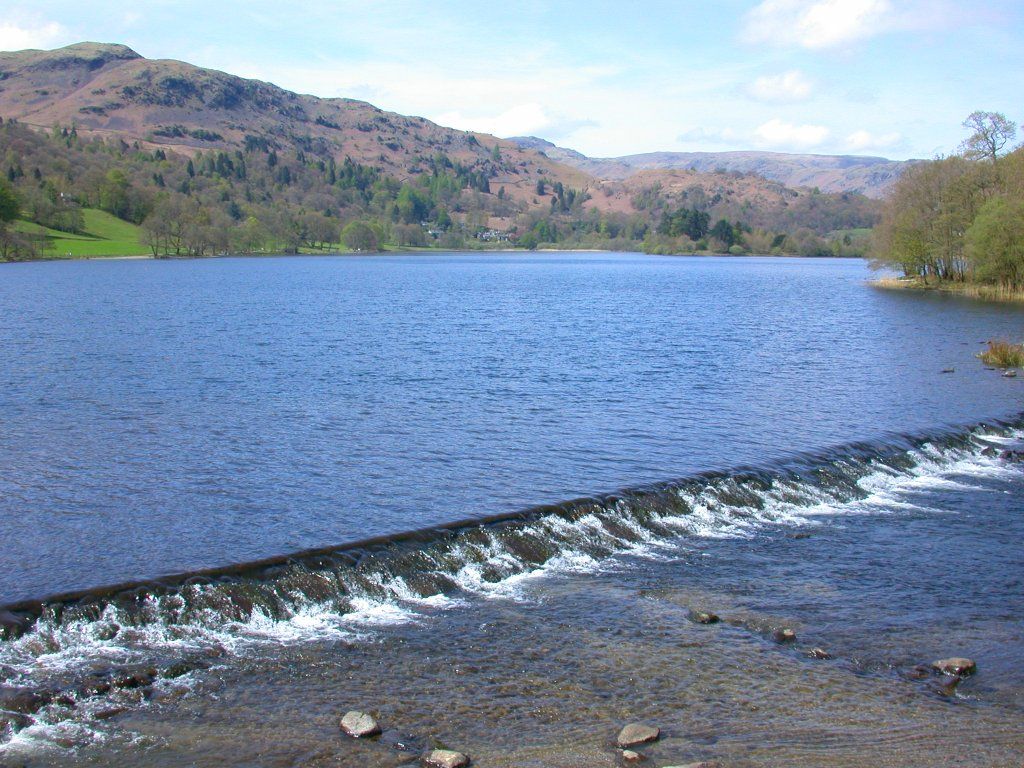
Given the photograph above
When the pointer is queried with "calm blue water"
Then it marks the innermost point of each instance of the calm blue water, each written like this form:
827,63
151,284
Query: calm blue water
160,417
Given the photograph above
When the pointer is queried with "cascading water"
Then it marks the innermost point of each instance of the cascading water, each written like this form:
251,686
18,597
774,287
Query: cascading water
74,657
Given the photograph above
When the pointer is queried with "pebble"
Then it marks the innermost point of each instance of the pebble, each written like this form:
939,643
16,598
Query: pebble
632,757
358,725
637,733
445,758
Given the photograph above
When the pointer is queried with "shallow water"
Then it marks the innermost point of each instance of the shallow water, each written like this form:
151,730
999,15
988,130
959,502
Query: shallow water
876,517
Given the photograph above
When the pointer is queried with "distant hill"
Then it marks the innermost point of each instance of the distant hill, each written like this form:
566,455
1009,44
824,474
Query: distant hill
870,176
208,162
111,89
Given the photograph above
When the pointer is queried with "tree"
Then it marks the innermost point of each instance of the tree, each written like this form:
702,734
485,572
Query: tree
995,242
359,236
9,205
992,132
724,232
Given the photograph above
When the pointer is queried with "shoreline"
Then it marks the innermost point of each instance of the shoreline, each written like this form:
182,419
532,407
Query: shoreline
965,290
524,251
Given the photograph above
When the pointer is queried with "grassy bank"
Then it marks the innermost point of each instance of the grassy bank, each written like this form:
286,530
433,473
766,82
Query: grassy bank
970,290
104,235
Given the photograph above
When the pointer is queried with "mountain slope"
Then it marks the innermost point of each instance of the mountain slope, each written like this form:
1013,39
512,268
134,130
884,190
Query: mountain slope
110,89
871,176
207,162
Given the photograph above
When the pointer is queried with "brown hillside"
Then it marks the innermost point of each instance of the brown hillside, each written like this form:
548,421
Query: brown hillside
110,89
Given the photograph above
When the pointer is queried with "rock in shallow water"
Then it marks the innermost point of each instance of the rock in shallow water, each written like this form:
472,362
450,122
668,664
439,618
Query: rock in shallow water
704,617
784,635
632,757
637,733
445,758
819,653
956,665
359,725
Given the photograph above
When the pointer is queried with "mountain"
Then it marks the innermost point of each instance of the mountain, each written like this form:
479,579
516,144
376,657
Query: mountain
107,89
870,176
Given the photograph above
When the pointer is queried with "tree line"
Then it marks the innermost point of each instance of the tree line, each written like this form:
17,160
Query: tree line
268,196
960,219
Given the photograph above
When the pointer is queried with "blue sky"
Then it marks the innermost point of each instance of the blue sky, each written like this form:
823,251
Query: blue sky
887,77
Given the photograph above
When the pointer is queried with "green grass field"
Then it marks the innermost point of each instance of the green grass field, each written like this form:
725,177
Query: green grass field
104,235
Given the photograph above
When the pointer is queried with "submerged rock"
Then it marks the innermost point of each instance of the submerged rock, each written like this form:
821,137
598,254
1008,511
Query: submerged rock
946,686
14,720
637,733
919,672
819,653
1017,456
784,635
23,701
632,757
701,764
445,758
1010,374
403,742
12,625
956,665
704,617
136,676
359,725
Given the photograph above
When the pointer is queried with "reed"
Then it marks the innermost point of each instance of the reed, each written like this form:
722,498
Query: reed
1003,354
970,290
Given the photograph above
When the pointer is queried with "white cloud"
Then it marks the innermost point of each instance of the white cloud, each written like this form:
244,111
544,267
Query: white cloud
858,141
14,37
788,86
817,23
778,134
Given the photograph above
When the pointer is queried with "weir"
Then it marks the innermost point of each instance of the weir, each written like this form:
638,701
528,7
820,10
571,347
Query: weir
70,647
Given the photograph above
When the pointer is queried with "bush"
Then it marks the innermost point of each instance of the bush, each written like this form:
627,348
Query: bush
1003,354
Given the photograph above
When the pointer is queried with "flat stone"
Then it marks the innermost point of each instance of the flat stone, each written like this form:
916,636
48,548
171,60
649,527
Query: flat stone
784,635
632,757
637,733
359,725
445,758
956,665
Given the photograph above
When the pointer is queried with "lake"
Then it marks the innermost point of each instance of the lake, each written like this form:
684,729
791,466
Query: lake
245,446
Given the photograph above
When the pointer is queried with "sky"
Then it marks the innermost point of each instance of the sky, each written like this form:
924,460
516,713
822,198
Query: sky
894,78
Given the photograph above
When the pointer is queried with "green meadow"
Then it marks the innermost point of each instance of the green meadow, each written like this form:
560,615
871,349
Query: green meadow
104,235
